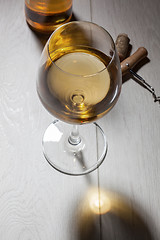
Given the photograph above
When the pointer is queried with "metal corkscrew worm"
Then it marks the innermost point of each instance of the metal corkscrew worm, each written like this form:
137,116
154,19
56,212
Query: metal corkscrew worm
122,43
145,84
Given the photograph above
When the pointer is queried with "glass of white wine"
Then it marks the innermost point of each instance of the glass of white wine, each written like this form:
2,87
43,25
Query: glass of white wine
79,81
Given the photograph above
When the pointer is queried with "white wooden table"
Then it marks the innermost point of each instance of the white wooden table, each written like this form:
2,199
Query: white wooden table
37,202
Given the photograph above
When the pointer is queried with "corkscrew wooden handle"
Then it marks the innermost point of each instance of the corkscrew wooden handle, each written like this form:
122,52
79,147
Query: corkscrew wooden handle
122,45
131,61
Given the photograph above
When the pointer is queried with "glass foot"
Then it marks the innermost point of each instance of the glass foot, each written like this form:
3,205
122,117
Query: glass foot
74,159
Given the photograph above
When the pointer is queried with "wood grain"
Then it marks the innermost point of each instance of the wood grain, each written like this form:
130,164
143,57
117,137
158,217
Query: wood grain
37,202
131,169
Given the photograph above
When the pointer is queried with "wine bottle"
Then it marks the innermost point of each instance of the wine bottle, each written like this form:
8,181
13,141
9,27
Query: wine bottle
46,15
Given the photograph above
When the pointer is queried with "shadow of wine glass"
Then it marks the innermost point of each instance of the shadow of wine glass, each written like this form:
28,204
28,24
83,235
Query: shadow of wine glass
107,215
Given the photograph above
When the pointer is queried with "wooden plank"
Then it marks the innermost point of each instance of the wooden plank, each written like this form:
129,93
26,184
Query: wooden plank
81,10
36,202
131,169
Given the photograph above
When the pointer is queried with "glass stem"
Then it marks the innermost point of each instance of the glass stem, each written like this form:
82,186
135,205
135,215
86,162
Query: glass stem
74,137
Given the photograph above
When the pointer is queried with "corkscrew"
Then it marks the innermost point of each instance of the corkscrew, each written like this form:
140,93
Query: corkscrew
122,43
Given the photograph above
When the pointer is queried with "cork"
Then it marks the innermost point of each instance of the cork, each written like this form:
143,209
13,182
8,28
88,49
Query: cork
122,44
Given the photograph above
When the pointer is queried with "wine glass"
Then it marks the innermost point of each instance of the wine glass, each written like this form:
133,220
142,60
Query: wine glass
79,81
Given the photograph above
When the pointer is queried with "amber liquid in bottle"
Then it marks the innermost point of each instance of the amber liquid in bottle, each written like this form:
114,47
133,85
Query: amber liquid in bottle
46,15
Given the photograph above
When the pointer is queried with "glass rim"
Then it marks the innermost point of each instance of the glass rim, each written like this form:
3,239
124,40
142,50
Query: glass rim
81,75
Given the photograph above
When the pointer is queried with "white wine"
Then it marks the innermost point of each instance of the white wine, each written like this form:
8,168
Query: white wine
82,85
77,85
